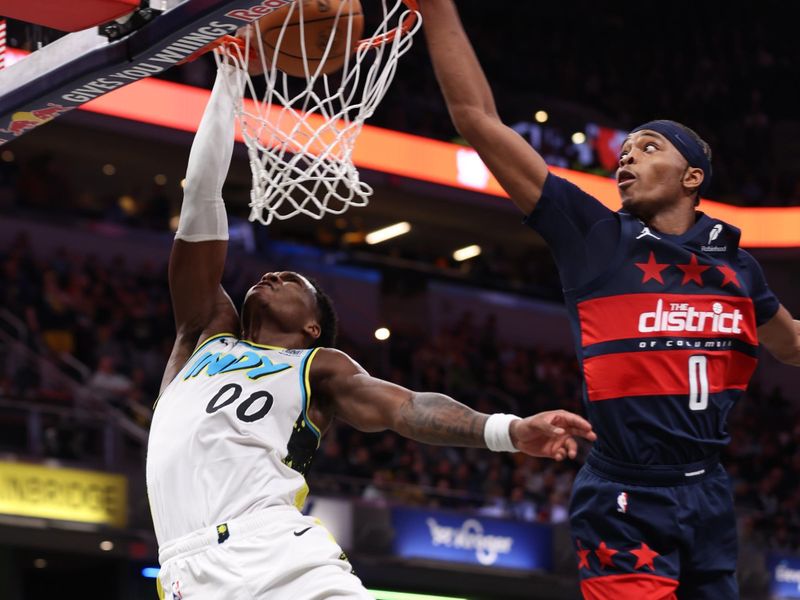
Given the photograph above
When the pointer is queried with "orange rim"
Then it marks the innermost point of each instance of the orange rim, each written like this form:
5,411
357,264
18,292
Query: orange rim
224,40
372,42
405,27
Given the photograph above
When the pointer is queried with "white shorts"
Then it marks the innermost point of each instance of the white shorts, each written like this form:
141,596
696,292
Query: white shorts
275,554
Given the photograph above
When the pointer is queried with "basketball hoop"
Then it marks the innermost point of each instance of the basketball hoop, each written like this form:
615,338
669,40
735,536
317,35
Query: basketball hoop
300,132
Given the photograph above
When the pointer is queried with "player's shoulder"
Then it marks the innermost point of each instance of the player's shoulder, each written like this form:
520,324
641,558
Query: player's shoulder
329,362
555,186
748,263
744,256
742,259
563,197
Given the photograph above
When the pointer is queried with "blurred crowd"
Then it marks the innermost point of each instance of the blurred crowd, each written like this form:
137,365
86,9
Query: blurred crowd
41,186
116,320
726,73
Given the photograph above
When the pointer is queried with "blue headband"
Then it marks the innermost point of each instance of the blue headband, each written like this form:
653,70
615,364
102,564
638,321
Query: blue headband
685,144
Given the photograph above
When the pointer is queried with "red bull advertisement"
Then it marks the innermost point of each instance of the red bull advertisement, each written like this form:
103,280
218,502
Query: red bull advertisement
22,121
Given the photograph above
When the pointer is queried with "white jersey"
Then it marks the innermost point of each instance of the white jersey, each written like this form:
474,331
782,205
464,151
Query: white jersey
230,436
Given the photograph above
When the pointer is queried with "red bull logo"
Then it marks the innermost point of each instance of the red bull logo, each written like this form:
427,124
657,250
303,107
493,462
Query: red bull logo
22,121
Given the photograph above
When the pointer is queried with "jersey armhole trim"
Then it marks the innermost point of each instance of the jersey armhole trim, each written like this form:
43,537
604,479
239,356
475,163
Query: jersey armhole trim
197,349
203,344
305,387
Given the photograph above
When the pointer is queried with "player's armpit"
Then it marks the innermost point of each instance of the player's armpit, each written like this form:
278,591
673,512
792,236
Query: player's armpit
781,336
181,351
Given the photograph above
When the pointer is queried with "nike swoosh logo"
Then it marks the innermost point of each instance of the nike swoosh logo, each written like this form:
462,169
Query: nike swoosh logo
301,532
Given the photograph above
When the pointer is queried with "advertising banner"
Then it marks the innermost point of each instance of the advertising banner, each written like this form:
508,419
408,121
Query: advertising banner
476,540
65,494
784,571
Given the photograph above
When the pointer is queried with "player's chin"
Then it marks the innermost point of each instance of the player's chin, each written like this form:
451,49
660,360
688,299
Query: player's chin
254,297
627,200
634,207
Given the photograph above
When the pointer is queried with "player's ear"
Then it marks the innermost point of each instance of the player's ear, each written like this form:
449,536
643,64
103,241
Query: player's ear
313,330
693,178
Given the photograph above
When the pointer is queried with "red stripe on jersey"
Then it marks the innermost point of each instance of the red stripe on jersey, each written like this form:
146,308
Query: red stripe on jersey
633,586
658,315
665,372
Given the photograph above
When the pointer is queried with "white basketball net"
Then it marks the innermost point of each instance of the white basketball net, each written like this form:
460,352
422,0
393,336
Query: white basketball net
300,135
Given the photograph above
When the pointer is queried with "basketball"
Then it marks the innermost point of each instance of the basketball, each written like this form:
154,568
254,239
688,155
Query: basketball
319,18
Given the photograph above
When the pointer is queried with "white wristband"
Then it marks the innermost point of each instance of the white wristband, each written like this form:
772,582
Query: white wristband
497,433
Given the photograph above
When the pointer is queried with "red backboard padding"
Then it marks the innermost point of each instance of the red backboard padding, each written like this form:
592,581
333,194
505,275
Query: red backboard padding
70,15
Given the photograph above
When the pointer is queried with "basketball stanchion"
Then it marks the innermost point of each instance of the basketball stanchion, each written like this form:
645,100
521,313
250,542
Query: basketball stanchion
321,82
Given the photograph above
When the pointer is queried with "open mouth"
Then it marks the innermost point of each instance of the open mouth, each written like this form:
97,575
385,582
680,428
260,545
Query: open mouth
625,178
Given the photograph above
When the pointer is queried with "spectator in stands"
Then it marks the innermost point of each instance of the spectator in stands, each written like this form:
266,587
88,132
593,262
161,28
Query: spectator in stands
109,384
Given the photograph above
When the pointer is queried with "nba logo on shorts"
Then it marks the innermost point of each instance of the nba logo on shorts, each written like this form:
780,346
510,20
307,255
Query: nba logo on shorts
622,502
176,590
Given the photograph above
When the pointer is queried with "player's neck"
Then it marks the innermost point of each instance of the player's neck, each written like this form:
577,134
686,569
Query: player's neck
266,336
674,220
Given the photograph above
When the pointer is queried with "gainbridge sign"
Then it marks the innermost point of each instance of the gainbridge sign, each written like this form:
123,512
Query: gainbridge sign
64,494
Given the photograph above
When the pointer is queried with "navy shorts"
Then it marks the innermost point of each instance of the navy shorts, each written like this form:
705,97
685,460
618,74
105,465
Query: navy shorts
653,533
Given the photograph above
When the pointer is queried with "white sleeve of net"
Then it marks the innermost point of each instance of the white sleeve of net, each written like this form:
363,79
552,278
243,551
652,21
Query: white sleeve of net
203,214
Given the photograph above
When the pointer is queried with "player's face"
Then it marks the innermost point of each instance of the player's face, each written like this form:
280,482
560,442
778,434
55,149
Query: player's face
650,174
288,297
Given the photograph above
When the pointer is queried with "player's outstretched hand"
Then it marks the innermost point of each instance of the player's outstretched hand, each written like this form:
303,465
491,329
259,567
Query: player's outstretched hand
551,434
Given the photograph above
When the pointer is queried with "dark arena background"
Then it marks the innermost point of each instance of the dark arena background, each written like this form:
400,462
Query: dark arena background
467,301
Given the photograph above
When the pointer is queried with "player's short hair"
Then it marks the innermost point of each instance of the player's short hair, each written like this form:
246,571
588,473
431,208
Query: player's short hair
328,321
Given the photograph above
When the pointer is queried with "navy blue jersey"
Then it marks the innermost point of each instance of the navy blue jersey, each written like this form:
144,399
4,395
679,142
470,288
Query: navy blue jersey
665,325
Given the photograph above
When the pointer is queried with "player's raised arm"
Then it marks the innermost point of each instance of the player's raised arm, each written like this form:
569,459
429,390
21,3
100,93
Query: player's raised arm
371,404
515,164
200,305
781,336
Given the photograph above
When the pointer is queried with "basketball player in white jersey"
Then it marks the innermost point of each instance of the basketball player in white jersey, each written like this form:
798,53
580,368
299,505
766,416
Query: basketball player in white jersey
244,402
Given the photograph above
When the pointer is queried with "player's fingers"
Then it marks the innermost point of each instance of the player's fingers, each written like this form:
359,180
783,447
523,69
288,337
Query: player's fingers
574,425
568,419
546,425
572,447
588,435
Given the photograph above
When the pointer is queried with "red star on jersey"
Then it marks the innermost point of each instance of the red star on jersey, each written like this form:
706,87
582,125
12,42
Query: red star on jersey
583,557
644,557
652,269
692,271
730,276
605,554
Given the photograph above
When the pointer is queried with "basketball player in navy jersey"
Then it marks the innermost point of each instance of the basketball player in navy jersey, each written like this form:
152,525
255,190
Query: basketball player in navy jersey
667,313
245,400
